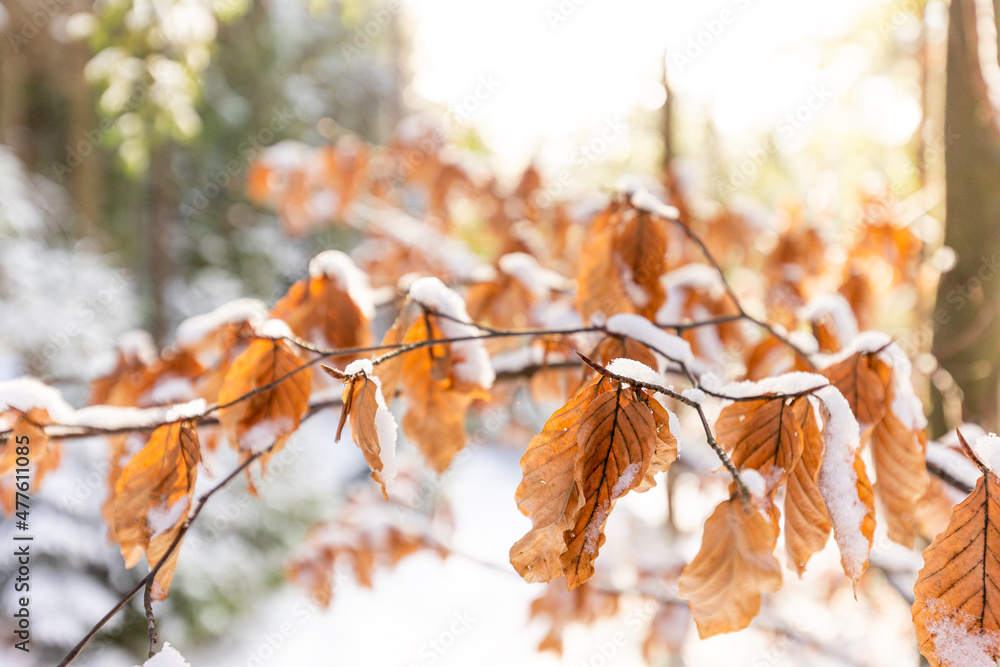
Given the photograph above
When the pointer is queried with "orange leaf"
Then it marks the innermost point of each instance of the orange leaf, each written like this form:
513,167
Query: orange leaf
331,308
763,434
617,438
269,416
43,454
724,582
373,428
862,385
901,473
807,523
547,492
956,598
153,497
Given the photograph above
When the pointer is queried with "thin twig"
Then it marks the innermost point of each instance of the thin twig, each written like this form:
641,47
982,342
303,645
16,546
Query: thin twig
148,580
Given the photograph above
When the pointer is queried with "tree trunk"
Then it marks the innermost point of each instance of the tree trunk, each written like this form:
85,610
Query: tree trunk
967,317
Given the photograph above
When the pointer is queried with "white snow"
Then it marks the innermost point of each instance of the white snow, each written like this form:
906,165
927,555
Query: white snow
186,410
360,366
905,404
838,480
385,423
513,361
26,393
678,284
593,530
987,448
646,201
275,329
195,329
472,361
114,417
630,369
805,341
286,155
262,435
171,390
796,382
163,518
348,277
692,394
629,184
137,345
526,270
954,644
845,324
167,657
626,479
640,329
754,482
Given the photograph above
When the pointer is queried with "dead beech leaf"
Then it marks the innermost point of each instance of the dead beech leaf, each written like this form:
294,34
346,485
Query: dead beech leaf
437,399
617,437
763,434
320,309
372,425
859,380
900,473
724,582
28,430
601,289
642,248
153,497
271,415
666,446
548,492
807,522
956,598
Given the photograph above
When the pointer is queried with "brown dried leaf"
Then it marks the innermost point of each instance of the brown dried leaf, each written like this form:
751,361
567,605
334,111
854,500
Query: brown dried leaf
437,402
956,598
617,437
807,522
153,497
862,383
763,434
43,453
548,492
321,311
724,582
362,399
271,415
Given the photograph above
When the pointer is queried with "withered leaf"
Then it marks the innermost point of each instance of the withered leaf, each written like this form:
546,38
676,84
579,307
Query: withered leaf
270,415
724,582
153,497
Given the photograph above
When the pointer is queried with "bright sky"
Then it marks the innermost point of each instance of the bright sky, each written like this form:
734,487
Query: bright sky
563,69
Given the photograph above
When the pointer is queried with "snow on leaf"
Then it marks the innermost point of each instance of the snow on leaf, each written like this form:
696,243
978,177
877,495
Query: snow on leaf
167,657
807,522
331,308
724,582
439,382
876,383
844,484
956,598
